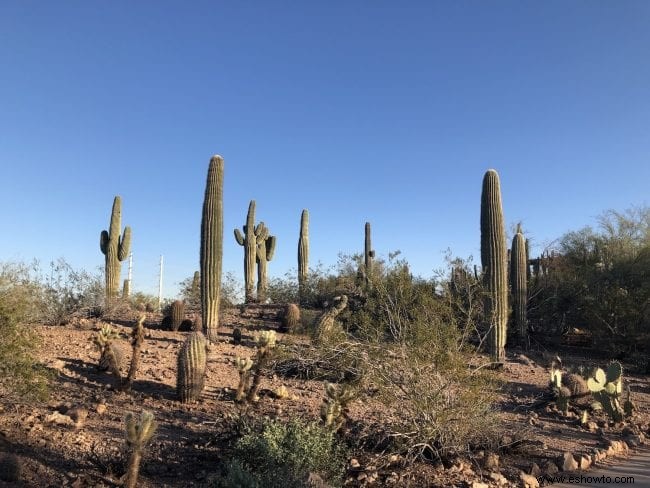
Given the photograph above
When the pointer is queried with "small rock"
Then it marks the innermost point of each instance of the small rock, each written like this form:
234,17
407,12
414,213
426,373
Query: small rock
354,464
491,461
585,462
59,419
101,408
568,462
550,468
535,470
528,481
78,415
479,484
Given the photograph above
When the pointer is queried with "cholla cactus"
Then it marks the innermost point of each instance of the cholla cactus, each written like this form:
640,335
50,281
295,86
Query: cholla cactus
326,321
137,338
243,366
110,356
138,433
334,409
265,343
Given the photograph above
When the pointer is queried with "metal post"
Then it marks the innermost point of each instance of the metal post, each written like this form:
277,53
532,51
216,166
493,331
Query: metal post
160,284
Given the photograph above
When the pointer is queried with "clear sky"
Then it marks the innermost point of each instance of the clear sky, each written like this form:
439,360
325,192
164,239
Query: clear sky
380,111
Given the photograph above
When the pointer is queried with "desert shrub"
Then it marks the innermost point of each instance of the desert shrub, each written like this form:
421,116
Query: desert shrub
20,304
283,454
143,302
67,292
232,292
598,280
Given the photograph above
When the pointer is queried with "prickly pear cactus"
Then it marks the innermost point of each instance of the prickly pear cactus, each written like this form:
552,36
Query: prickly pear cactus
606,387
115,247
192,360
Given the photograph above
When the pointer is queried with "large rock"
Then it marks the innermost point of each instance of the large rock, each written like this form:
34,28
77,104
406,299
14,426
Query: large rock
568,462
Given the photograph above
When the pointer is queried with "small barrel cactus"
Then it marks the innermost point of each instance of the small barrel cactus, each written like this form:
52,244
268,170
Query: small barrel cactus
290,318
177,313
192,361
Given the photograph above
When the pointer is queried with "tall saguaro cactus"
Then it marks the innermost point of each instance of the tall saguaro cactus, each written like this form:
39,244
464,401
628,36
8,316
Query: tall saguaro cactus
264,253
303,254
368,253
115,247
494,262
212,248
519,285
249,241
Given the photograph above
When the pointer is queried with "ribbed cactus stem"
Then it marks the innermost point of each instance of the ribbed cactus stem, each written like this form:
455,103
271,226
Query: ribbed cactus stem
303,255
494,262
519,284
177,313
115,247
264,253
249,242
192,360
212,248
368,253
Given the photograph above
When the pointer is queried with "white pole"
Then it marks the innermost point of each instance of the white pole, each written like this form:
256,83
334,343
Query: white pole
160,283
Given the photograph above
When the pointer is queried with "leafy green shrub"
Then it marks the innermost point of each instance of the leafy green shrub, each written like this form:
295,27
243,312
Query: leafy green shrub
19,305
283,454
232,292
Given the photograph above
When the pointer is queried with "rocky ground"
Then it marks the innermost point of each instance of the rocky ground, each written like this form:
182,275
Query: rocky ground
77,438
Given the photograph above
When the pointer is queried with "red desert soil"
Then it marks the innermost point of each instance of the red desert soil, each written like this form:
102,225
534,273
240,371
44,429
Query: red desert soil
191,438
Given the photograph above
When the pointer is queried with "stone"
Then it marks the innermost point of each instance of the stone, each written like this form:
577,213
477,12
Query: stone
550,468
479,484
535,470
568,462
101,408
491,461
528,481
585,462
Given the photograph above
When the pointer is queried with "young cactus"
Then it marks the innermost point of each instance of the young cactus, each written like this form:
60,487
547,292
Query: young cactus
192,360
115,247
265,343
138,433
495,265
110,356
249,241
243,366
137,338
368,254
334,409
177,313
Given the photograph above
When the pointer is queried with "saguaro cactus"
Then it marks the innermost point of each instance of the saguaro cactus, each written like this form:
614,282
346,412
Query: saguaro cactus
264,253
249,241
368,253
494,262
303,255
115,247
192,360
519,285
212,248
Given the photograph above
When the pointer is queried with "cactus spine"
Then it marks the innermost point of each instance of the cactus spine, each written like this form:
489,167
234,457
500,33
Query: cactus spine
368,253
192,360
518,280
249,241
303,255
264,253
115,247
494,262
138,433
212,247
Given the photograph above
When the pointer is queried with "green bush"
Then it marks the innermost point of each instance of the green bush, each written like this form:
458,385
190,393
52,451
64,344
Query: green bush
20,304
282,455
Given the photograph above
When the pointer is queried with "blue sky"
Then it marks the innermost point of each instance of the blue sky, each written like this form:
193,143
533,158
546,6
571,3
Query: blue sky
388,112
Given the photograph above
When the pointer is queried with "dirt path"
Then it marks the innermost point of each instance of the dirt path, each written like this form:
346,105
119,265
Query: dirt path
633,472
